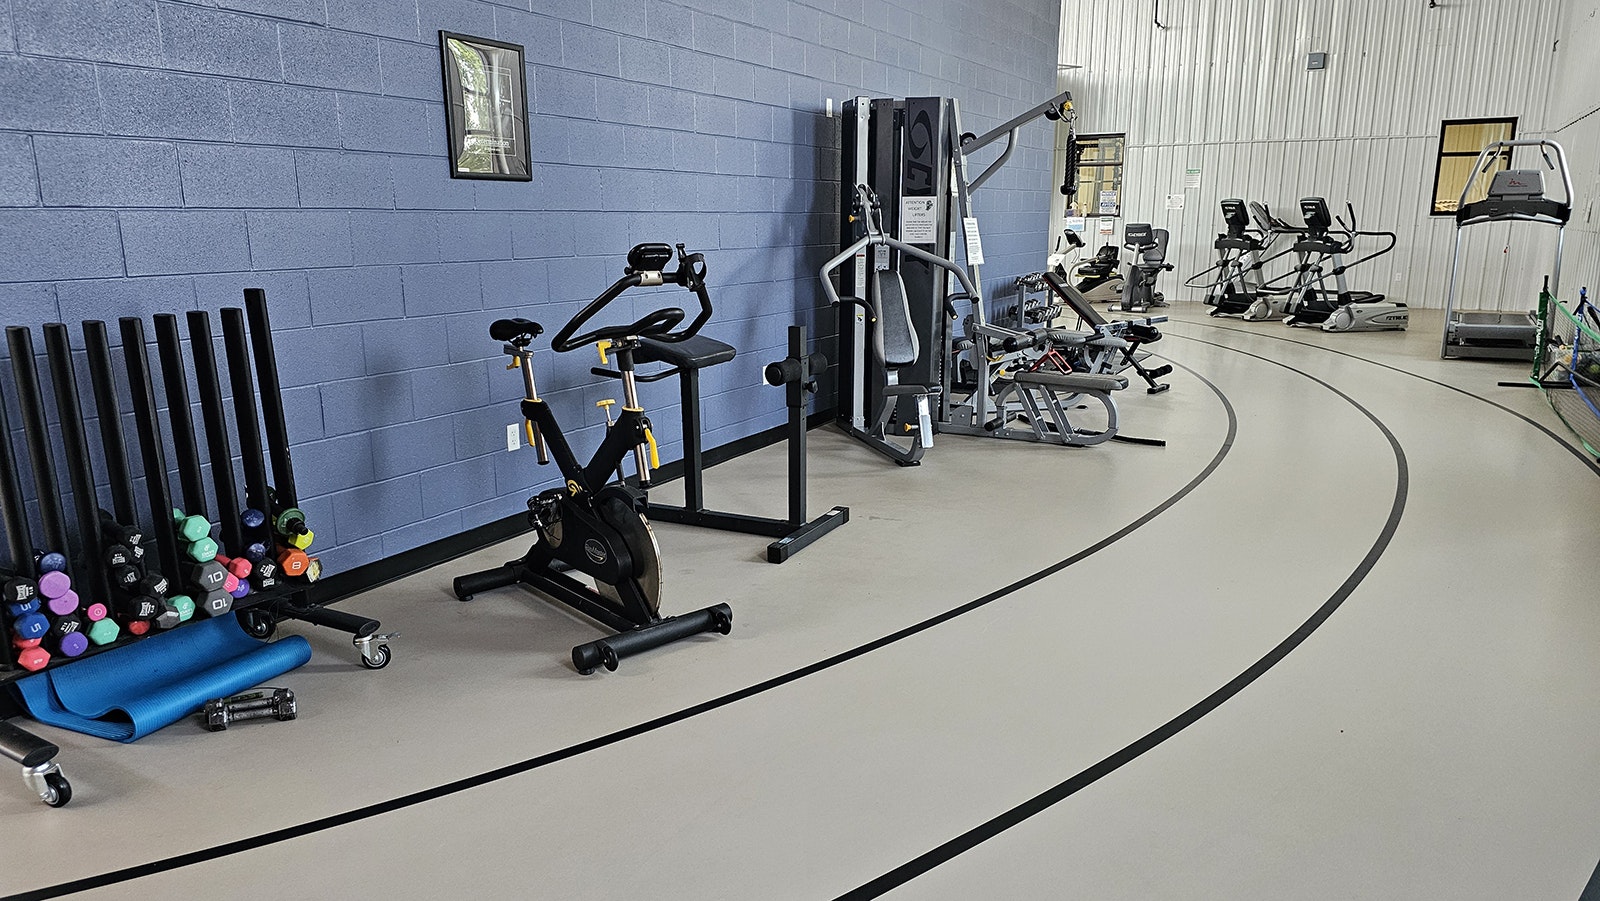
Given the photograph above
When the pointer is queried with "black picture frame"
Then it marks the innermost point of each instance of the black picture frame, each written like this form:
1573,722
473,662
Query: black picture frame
486,107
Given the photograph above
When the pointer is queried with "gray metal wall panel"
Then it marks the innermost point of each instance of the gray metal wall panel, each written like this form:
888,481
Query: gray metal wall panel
1225,89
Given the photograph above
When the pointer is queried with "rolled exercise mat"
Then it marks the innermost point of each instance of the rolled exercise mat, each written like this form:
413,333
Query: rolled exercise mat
132,691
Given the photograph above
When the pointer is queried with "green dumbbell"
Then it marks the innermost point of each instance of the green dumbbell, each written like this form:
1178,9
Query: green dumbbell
191,528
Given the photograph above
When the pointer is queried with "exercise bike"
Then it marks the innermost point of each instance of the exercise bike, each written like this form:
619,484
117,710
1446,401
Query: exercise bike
595,524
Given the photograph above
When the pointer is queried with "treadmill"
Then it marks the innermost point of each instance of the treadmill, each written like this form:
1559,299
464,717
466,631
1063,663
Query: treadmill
1515,195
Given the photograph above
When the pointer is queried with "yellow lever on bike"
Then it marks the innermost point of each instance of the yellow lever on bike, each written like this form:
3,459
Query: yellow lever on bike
655,456
603,346
527,429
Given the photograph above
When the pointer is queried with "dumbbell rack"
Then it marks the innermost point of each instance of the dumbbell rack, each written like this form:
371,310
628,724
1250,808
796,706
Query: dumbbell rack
81,556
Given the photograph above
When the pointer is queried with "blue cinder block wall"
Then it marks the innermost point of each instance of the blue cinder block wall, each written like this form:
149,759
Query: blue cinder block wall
162,156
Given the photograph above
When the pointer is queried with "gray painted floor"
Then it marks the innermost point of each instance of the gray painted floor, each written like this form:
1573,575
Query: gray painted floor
1421,560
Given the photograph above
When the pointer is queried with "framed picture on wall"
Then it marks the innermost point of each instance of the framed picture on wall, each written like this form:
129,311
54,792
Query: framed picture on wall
486,107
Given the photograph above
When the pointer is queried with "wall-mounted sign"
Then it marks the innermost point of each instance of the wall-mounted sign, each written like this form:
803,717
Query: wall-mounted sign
1108,203
486,107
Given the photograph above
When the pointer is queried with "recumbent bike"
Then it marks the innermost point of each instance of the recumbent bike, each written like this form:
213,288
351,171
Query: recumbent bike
595,524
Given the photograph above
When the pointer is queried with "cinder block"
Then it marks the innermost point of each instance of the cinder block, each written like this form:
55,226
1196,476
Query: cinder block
507,196
284,115
475,236
670,108
752,44
43,245
315,11
397,345
343,180
386,124
692,71
670,25
8,38
109,299
450,389
411,70
302,410
364,404
735,156
596,143
19,186
344,557
753,121
314,356
788,54
417,535
482,431
458,485
121,32
460,16
468,337
219,42
299,239
385,18
412,446
692,152
379,507
30,303
622,101
649,62
565,93
713,34
389,237
107,172
590,49
228,175
441,288
714,115
540,234
178,242
355,295
142,103
583,278
330,59
626,16
571,187
511,284
425,184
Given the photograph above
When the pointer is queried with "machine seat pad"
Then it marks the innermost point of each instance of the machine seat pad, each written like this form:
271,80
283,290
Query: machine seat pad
695,352
894,339
1073,381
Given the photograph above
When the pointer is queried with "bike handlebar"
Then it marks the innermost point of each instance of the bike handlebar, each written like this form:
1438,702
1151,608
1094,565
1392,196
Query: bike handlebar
657,324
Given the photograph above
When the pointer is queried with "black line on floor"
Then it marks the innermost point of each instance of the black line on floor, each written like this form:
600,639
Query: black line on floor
1593,465
460,785
1039,803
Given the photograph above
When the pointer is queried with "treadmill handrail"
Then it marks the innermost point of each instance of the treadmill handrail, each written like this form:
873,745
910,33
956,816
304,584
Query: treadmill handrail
1492,150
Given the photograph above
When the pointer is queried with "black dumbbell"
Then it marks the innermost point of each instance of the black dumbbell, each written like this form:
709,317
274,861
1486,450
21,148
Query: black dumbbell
136,607
18,590
155,585
114,532
214,603
208,576
279,704
124,577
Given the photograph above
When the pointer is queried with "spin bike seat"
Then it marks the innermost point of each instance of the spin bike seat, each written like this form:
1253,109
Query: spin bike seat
514,329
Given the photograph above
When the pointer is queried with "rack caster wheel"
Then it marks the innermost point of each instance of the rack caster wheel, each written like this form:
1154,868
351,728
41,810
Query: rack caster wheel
49,783
375,653
258,623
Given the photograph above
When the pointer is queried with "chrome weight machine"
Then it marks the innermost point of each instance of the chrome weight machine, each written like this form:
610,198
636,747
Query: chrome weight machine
593,524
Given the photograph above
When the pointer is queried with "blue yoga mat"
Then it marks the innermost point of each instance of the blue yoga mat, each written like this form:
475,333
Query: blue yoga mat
132,691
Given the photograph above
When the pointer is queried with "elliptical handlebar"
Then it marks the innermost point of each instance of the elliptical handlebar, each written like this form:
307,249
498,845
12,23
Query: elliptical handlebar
644,270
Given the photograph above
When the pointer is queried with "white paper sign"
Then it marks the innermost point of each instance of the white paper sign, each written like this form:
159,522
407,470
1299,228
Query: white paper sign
974,241
1174,201
1076,224
1108,203
1107,226
919,220
1191,179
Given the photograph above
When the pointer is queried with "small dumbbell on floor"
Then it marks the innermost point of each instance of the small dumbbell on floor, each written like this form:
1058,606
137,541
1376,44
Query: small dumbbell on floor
277,703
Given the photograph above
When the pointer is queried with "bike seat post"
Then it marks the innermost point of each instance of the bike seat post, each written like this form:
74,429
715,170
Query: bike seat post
522,358
630,401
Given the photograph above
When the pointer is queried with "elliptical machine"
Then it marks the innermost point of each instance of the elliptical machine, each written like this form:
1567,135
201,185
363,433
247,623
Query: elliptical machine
1238,288
1344,310
1149,248
592,524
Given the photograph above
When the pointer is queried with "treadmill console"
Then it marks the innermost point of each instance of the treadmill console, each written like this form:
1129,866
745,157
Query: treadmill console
1517,184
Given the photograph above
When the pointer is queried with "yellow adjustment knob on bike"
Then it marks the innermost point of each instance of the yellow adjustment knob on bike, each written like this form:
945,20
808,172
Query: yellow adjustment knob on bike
573,489
527,429
655,456
516,363
603,346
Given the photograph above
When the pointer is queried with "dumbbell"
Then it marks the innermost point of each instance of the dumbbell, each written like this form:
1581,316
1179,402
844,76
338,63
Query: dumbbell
209,575
114,532
293,562
291,522
15,611
155,585
190,528
103,632
30,656
239,566
264,576
180,604
30,627
54,583
240,589
50,562
64,604
136,608
219,713
124,576
18,590
67,636
94,611
215,603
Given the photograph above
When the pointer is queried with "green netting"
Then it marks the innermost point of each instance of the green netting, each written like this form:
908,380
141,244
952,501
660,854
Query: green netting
1567,367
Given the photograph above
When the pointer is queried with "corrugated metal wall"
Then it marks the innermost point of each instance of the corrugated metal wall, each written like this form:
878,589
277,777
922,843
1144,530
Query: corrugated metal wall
1225,89
1574,116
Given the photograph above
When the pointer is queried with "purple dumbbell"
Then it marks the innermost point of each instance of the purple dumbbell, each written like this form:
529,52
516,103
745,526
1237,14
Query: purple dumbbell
72,644
63,605
54,584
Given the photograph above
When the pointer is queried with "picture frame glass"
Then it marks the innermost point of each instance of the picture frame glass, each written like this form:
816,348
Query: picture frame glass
486,108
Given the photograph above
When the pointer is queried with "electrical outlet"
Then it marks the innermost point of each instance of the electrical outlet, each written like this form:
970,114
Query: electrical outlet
513,437
830,107
1399,277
